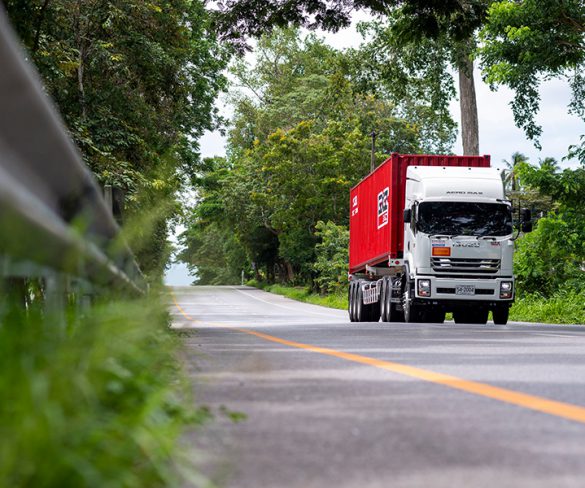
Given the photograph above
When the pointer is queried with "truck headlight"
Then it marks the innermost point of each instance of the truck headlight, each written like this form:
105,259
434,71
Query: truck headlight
506,289
424,288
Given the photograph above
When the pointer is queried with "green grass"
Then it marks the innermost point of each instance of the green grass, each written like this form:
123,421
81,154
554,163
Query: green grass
563,308
304,294
98,404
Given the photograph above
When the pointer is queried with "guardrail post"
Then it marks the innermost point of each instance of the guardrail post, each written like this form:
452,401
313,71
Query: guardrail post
109,198
55,303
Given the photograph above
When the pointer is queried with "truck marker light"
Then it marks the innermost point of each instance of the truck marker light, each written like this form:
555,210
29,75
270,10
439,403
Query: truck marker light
441,251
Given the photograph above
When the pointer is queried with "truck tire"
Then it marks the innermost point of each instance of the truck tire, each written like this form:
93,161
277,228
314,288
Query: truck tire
353,303
395,313
412,313
385,297
500,315
390,310
359,307
382,300
374,312
350,304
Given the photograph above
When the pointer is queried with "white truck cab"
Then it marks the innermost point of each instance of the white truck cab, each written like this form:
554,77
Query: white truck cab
458,245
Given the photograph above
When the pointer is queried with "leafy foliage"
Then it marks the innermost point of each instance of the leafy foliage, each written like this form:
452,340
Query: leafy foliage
447,27
100,404
413,74
332,256
552,257
525,42
239,19
135,83
299,140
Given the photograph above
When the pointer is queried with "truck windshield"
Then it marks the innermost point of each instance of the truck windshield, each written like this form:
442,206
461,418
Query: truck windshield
464,218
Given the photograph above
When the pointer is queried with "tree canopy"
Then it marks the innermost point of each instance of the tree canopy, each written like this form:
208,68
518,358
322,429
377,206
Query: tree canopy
451,24
524,43
135,83
299,139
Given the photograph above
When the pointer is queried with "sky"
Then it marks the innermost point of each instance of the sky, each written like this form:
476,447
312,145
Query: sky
498,136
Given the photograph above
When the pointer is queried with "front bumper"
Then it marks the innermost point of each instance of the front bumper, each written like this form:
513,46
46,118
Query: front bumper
486,289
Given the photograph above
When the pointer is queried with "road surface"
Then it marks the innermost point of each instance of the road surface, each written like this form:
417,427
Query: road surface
331,403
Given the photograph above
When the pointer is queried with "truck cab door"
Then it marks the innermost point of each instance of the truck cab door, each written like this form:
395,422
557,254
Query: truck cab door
410,234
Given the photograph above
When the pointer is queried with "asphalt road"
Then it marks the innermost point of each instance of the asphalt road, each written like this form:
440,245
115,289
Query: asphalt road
331,403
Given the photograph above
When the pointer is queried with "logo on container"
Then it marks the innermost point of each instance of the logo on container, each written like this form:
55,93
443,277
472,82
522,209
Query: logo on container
383,207
354,206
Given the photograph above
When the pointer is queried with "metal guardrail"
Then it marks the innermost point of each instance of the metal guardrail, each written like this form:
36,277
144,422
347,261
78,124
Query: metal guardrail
53,216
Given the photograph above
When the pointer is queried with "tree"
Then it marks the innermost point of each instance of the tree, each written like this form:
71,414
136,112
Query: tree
510,174
332,256
526,42
135,83
415,77
299,140
453,21
552,258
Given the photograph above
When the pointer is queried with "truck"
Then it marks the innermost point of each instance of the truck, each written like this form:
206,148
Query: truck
430,235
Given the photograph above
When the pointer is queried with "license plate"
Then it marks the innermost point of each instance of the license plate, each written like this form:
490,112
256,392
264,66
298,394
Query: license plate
465,290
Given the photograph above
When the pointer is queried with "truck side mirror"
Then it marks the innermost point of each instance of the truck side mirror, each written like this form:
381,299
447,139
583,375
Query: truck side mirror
525,220
526,226
407,215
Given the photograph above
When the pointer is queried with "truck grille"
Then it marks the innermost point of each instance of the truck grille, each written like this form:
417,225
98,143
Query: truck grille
465,265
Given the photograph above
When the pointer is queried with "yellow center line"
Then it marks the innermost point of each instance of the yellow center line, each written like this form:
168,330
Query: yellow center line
531,402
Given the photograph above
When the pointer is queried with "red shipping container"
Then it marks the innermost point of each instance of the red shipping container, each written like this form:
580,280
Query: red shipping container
376,225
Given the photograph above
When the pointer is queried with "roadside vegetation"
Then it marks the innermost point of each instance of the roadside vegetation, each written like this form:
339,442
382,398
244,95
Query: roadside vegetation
95,398
561,308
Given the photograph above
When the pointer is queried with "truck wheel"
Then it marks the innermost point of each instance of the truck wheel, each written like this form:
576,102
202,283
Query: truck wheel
390,310
354,292
394,314
383,293
359,307
500,315
388,301
374,315
350,305
412,313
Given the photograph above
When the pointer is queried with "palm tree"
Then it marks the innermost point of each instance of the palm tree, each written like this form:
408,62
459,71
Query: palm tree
549,164
510,174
